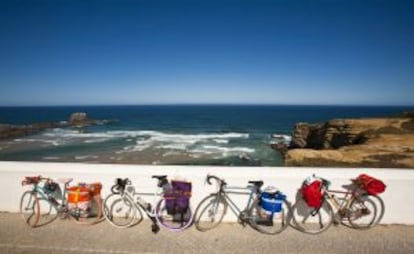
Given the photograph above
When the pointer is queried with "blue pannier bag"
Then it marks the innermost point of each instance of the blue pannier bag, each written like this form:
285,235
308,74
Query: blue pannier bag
272,202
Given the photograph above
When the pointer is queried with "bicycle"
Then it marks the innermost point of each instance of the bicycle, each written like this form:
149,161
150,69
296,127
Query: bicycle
211,210
45,202
353,208
124,206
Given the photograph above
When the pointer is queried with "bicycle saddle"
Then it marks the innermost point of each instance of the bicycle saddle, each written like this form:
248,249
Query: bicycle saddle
64,180
258,184
160,177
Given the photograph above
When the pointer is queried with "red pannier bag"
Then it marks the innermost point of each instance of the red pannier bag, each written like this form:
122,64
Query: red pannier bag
372,185
312,194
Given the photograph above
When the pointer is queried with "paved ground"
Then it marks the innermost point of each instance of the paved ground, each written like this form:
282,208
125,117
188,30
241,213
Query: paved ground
64,236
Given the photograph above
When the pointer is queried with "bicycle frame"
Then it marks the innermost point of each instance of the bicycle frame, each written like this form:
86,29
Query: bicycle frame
226,190
139,202
59,206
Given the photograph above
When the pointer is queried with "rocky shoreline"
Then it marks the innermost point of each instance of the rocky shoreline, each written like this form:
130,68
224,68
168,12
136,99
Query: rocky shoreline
368,142
77,119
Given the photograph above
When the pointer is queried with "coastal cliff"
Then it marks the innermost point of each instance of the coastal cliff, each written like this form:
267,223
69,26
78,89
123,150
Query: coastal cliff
369,142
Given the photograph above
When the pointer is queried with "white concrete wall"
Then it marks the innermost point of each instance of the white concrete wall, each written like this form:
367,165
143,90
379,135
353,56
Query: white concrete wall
397,197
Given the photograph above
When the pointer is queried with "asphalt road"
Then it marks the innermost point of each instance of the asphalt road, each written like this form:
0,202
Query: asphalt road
63,236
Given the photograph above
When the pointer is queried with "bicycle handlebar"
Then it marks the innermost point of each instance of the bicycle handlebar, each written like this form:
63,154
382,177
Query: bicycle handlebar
209,177
219,181
34,179
119,186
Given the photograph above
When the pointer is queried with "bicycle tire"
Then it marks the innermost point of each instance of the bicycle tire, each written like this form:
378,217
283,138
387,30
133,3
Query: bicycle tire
118,211
312,220
380,207
362,213
29,208
272,223
174,222
215,213
47,212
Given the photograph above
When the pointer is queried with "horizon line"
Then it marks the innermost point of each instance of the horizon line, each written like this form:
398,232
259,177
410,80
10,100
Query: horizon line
207,104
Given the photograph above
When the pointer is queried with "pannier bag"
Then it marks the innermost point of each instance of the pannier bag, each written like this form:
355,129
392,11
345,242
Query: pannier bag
271,200
177,200
370,184
311,193
81,196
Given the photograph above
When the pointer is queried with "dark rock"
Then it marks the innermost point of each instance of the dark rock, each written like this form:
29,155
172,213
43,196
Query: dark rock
8,131
78,117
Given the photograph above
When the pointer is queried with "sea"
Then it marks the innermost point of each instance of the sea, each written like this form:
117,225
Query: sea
230,135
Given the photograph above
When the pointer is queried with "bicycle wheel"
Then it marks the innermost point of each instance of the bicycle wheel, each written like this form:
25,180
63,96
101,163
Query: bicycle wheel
379,203
119,211
89,216
267,222
312,220
177,221
362,213
210,212
29,208
47,212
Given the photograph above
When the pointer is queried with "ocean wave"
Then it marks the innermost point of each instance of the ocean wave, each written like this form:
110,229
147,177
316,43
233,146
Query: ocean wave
32,140
51,158
221,141
177,146
86,157
149,133
227,149
183,142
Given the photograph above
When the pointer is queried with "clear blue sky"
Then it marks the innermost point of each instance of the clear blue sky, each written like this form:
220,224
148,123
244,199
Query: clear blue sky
152,52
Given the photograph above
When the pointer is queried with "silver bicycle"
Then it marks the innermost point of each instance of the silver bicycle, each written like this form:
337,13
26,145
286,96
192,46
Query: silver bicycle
212,209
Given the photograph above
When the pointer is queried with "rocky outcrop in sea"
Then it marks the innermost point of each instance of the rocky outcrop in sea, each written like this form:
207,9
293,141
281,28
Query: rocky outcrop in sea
77,119
368,142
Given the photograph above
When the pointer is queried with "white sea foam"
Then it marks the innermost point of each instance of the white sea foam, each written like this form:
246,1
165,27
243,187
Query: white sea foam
51,158
86,157
154,134
32,140
98,140
228,149
175,146
160,140
221,141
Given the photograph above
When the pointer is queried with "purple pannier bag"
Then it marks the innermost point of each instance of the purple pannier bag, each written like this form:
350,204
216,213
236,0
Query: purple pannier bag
178,200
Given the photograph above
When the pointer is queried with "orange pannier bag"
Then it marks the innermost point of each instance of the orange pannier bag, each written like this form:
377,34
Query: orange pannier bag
95,188
78,194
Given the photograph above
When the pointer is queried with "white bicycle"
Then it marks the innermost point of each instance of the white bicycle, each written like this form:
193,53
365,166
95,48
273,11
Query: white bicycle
124,206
